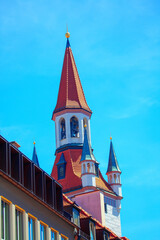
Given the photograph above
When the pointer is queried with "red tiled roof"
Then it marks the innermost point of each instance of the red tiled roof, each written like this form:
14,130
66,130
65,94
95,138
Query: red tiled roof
73,169
72,178
102,184
71,95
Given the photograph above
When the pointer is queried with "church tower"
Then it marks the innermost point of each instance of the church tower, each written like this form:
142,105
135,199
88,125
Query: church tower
75,166
71,114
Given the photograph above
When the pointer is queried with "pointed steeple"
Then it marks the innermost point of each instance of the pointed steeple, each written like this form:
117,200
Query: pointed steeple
34,156
71,95
87,153
112,164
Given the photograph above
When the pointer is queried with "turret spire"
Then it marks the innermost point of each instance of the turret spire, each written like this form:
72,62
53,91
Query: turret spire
34,156
87,153
114,172
112,164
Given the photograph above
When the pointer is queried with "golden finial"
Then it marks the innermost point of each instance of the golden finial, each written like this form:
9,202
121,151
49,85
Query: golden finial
110,137
85,125
34,142
67,33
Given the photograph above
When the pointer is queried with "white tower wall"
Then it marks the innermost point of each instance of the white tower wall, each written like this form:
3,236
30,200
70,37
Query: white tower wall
69,139
88,180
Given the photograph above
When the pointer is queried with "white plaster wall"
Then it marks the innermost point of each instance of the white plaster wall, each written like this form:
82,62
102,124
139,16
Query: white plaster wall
68,139
112,219
117,189
88,180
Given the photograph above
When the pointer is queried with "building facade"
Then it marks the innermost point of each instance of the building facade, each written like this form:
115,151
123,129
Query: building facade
31,201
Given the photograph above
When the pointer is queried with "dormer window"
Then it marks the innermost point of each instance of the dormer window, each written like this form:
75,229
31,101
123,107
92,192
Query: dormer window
76,217
96,170
106,236
92,230
61,167
62,129
74,126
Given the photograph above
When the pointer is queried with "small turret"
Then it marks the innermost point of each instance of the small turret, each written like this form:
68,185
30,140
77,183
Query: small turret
113,171
88,163
34,156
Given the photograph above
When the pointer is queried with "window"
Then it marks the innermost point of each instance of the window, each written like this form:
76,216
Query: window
74,127
106,236
42,231
61,167
105,207
62,129
84,168
115,178
61,171
110,178
76,219
119,179
92,230
31,228
53,234
63,237
110,201
92,238
19,224
96,170
88,167
4,220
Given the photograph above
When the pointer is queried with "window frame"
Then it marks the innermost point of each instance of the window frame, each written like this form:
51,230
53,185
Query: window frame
5,211
33,237
63,166
75,211
19,234
55,232
44,225
63,237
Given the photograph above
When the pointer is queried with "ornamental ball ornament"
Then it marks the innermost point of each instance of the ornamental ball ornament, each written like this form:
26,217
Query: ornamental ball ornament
67,34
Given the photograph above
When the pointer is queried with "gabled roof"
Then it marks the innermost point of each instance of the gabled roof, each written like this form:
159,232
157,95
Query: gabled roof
35,157
61,160
87,153
71,95
112,163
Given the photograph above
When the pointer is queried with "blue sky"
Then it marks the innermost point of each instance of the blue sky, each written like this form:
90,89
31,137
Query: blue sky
116,45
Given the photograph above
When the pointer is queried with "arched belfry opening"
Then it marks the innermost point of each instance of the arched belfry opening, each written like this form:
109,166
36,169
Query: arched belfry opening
74,127
62,129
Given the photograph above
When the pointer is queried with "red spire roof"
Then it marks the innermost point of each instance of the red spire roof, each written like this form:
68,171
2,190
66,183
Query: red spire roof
71,95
